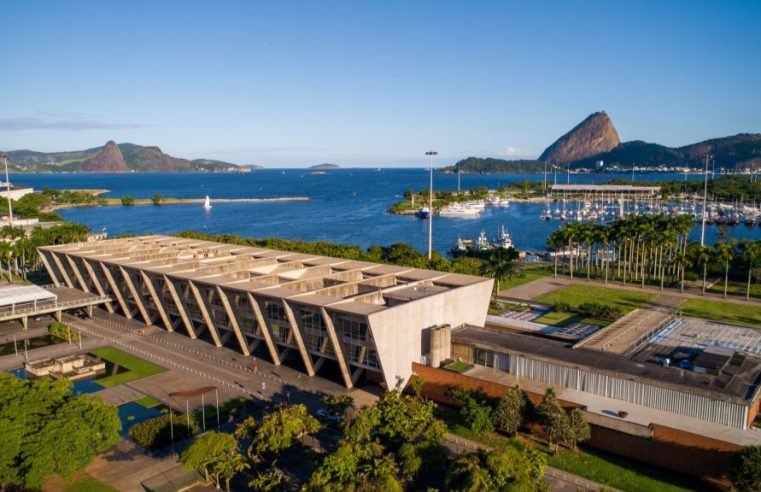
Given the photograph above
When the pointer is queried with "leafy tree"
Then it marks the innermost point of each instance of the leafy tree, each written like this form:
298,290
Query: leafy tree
46,430
336,405
743,469
127,200
215,454
269,481
417,386
579,427
552,415
156,199
510,411
507,469
280,429
475,410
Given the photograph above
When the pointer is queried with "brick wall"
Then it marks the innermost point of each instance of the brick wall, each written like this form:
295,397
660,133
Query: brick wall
668,448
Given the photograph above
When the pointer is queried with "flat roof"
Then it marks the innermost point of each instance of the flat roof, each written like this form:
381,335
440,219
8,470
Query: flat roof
352,286
18,294
741,385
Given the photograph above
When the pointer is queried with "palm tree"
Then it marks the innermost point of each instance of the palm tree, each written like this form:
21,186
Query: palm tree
500,265
5,252
751,251
725,252
703,255
556,242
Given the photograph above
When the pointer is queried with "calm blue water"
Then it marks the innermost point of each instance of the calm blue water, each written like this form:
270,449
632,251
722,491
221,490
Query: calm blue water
347,206
80,387
134,413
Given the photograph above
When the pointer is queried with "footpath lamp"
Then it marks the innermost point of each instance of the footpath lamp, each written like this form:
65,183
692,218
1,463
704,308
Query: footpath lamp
430,155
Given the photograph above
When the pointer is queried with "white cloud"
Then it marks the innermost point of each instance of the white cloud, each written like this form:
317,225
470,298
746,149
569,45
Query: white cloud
71,122
509,151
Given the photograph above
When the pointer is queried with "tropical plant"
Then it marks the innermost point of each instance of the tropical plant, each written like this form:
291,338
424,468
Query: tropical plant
743,469
215,454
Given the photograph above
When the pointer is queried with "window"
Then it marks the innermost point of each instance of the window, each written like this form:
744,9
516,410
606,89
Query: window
352,330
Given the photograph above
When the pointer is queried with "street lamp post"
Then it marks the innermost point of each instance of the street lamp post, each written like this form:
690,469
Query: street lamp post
430,155
8,189
705,203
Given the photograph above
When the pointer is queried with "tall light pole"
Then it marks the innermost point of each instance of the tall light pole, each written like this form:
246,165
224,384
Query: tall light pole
430,155
705,203
8,188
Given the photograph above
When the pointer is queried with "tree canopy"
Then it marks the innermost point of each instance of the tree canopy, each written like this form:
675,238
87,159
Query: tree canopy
46,430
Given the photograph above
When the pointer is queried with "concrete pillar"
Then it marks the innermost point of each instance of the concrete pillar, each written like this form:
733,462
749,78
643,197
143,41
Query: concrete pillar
231,316
305,356
43,256
271,348
157,301
136,295
205,313
96,282
338,349
180,305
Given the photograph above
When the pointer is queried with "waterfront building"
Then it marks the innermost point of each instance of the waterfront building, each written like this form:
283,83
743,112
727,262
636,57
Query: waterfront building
361,319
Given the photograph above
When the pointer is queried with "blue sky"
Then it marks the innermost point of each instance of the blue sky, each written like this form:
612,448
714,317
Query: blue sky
372,83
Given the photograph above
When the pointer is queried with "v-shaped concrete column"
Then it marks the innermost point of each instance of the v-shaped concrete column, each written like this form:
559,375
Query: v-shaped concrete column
115,290
62,270
233,320
343,362
205,313
43,257
96,282
157,301
135,295
180,305
77,274
265,330
306,357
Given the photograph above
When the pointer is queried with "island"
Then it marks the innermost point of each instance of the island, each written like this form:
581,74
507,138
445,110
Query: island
324,167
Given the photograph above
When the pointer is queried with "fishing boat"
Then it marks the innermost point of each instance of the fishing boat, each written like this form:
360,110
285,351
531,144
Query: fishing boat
505,241
207,203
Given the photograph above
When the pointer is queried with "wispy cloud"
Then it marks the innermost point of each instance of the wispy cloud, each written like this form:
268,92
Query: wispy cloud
509,151
72,123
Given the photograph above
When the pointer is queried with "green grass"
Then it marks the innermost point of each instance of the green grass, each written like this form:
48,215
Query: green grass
148,402
576,295
736,289
528,275
458,366
137,368
553,318
80,482
727,312
622,473
603,468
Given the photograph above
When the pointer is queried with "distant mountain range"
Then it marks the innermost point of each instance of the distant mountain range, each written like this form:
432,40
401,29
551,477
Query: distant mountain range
113,158
596,139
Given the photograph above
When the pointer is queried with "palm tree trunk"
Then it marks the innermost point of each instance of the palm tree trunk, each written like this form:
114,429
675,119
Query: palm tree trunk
705,273
747,290
570,256
726,278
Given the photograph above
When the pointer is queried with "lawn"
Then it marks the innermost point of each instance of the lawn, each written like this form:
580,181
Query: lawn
727,312
526,276
136,368
603,468
736,289
554,318
148,402
458,366
79,482
575,295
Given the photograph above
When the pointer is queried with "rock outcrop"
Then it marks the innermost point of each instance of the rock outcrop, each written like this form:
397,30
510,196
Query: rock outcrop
595,135
107,160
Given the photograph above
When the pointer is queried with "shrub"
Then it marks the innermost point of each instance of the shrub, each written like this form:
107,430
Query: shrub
62,331
155,433
561,307
744,469
127,200
599,310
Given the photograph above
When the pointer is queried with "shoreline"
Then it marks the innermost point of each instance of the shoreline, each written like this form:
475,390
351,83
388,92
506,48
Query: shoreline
113,202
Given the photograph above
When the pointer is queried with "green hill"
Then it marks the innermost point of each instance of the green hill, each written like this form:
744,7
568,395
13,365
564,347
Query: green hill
488,165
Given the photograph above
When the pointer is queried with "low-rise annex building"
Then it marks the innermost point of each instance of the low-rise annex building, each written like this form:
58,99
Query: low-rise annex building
363,318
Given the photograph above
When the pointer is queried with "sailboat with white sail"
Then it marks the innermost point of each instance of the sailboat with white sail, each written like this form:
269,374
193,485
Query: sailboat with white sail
207,203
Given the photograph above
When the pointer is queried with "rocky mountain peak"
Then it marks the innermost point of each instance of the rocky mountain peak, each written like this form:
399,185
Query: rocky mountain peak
594,135
109,159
